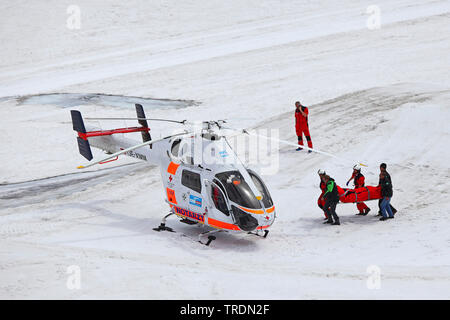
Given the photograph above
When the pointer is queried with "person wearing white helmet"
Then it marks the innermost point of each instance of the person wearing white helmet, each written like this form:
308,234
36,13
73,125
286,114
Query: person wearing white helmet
358,182
323,187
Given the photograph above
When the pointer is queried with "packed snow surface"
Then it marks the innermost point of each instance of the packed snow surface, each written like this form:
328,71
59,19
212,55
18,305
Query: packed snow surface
375,95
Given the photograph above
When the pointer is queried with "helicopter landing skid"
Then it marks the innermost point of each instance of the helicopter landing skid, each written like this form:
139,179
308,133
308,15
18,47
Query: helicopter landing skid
162,226
266,232
211,238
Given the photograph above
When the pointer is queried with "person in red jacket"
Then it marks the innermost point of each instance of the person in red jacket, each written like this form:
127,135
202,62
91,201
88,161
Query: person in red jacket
358,181
323,188
301,125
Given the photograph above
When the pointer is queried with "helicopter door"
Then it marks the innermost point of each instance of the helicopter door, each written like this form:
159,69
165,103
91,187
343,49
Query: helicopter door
191,188
217,197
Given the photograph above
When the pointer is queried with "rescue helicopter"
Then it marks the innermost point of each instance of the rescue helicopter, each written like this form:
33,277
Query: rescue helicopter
204,180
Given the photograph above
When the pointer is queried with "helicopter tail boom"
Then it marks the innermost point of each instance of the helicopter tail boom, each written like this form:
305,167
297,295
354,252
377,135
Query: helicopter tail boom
84,146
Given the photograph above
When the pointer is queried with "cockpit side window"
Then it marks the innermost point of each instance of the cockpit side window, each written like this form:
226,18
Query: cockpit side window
220,185
217,195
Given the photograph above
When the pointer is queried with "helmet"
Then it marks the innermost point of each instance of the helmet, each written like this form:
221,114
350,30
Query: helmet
321,172
357,167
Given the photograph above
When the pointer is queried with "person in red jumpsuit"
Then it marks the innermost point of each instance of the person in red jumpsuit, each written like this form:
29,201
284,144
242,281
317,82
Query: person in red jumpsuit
358,181
301,125
323,188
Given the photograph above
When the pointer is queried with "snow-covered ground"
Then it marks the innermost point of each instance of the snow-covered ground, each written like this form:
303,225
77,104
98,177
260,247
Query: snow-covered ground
375,96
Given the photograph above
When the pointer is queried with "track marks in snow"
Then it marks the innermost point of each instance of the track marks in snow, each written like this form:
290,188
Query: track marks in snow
53,188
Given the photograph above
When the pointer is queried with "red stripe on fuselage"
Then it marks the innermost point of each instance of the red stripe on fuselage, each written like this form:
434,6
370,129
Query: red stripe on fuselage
98,133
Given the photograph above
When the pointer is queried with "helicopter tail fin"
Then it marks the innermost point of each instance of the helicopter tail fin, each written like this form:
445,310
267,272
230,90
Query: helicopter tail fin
83,144
141,116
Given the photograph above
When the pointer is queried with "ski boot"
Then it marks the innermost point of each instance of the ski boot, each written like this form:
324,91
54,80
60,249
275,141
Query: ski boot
299,149
336,223
366,212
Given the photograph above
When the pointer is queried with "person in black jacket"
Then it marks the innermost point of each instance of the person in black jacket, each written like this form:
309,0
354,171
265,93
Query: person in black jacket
331,200
383,167
386,193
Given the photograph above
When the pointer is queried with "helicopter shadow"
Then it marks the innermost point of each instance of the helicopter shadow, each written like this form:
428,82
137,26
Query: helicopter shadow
144,226
224,240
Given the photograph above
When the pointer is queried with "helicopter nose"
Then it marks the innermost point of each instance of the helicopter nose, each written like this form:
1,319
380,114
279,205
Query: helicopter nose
268,217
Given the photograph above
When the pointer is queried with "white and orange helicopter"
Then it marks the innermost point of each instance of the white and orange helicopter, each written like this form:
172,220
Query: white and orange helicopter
204,180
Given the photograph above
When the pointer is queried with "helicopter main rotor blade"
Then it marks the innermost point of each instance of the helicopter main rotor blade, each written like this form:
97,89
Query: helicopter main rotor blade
150,119
307,148
295,145
111,156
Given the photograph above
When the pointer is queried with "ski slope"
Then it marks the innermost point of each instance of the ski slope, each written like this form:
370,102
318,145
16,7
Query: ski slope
374,96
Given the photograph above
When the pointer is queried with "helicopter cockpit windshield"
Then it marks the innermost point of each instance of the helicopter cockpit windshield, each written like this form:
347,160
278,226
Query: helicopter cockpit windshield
267,199
238,190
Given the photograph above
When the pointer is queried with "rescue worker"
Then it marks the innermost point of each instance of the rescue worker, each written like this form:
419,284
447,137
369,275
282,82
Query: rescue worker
383,167
301,125
323,187
331,200
386,193
358,182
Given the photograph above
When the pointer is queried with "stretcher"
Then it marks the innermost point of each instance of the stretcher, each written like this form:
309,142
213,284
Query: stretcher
360,194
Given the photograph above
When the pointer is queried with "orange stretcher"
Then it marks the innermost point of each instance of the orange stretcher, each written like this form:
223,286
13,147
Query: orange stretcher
360,194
